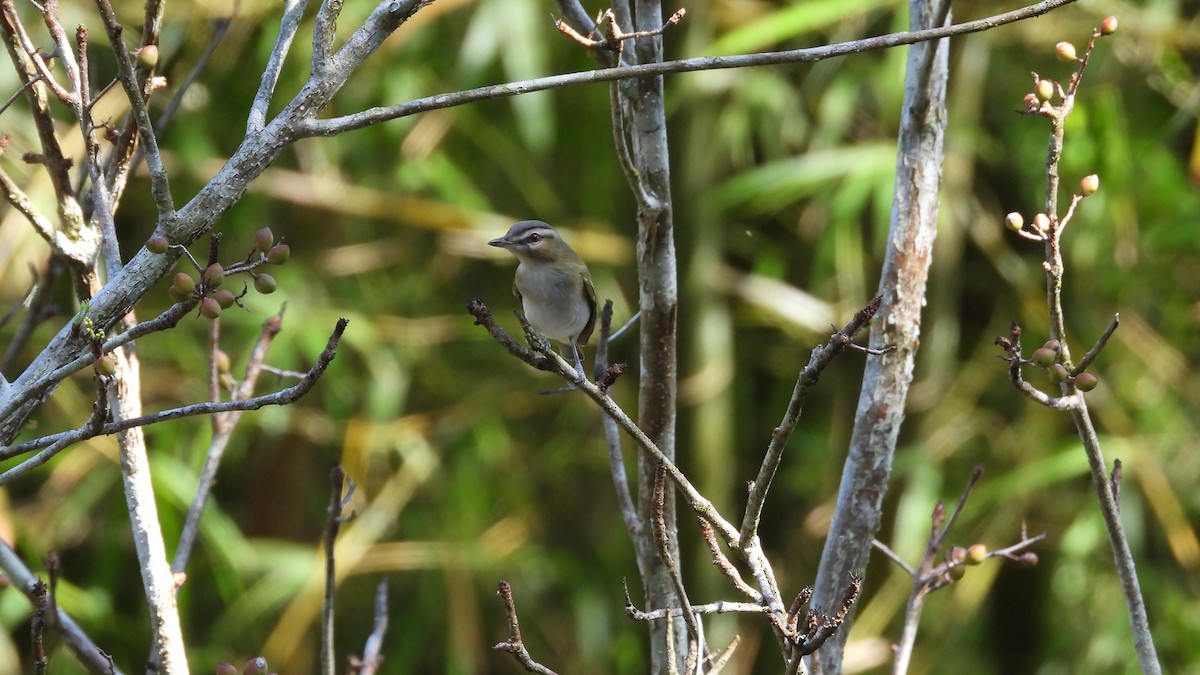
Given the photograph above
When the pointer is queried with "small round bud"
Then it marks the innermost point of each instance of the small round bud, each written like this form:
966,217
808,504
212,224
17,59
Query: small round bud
1027,559
263,239
1014,221
147,57
1044,90
1065,51
1051,344
1108,26
1089,184
214,275
106,366
1058,373
1086,381
958,572
957,554
226,669
976,554
1042,222
184,283
265,284
255,666
157,244
1043,358
279,254
224,298
223,363
209,308
1031,102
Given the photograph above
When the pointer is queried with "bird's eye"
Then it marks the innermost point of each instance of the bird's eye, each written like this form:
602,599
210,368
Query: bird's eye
535,238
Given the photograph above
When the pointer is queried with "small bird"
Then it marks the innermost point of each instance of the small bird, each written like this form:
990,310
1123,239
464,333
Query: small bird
552,284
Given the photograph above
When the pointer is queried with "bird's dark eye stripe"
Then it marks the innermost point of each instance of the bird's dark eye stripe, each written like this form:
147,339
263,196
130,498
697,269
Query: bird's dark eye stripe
535,237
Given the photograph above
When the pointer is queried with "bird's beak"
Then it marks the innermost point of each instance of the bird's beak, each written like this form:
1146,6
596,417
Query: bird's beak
501,242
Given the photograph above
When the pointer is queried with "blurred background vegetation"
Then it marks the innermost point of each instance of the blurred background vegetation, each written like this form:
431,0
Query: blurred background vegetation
782,186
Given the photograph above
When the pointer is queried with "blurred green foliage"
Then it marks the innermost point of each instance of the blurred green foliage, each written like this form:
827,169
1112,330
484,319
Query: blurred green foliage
782,186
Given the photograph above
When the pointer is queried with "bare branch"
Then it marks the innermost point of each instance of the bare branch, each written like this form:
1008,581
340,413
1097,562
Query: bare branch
809,375
514,645
223,426
293,12
133,91
337,125
333,523
372,655
281,397
1098,347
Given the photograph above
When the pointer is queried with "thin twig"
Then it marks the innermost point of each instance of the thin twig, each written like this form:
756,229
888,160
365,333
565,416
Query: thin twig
976,473
289,23
341,124
1098,347
662,537
281,397
89,655
126,73
372,650
514,645
223,426
821,357
333,523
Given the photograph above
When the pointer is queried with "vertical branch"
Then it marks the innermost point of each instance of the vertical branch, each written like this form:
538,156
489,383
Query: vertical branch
158,582
223,425
333,523
902,284
646,128
141,114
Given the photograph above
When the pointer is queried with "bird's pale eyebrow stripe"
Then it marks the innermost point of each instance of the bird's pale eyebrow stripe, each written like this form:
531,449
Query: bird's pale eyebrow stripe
540,231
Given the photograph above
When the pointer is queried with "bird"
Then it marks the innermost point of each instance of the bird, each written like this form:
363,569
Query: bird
552,284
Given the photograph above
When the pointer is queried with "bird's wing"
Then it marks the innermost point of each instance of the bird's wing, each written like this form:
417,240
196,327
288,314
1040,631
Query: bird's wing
589,296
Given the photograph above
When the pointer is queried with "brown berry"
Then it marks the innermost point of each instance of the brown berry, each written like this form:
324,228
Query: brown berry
255,666
214,275
1086,381
157,244
209,308
106,366
1089,184
1051,344
147,57
1044,90
223,363
265,284
1027,559
1108,26
184,283
1031,102
1065,51
279,254
1043,357
976,554
1042,222
224,298
263,239
1058,373
957,572
226,669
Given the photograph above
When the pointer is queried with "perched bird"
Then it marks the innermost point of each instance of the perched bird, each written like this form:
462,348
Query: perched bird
552,284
